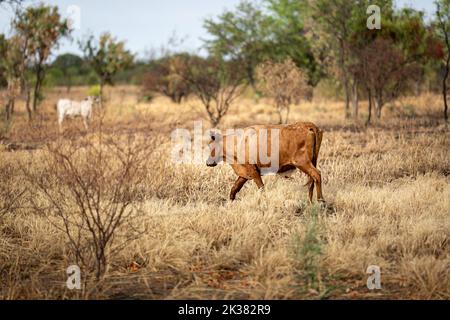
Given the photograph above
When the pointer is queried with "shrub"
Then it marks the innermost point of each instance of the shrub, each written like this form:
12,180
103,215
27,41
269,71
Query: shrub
11,191
164,79
217,83
94,91
284,83
92,192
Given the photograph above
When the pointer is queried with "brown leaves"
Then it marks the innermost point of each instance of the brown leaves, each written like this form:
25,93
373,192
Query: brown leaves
283,82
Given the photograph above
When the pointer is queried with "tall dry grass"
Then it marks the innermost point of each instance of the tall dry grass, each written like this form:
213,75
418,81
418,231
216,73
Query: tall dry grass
387,188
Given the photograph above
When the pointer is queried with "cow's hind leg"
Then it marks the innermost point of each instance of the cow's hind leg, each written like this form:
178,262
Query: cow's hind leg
311,191
311,171
237,187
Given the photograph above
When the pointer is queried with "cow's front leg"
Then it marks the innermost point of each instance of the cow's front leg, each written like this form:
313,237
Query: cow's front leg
86,123
237,187
60,123
259,182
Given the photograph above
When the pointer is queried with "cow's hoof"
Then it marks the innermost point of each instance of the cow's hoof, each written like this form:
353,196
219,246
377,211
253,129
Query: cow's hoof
322,203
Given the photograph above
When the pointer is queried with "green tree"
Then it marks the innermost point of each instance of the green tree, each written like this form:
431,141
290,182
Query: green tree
14,66
3,48
242,34
164,78
107,56
70,65
42,27
329,26
394,59
253,34
288,34
443,23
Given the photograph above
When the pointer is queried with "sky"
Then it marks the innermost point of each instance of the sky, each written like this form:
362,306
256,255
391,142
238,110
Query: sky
147,25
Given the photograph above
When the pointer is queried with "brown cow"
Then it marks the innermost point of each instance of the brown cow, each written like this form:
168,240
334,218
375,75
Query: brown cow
298,148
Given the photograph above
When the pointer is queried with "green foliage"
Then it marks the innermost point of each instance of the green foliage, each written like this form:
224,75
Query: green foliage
3,48
95,91
443,13
107,56
166,77
243,34
71,70
443,33
42,26
287,25
253,34
308,252
39,28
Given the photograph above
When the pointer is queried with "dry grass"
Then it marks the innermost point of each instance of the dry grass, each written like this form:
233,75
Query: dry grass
388,189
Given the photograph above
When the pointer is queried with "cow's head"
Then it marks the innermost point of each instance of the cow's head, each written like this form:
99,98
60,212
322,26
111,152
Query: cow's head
93,100
215,150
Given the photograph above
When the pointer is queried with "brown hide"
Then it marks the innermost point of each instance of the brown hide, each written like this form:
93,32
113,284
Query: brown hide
299,146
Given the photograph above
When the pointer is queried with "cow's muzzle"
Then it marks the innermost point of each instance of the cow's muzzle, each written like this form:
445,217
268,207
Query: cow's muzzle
211,164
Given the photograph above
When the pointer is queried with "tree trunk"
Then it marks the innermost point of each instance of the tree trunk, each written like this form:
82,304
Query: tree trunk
37,88
378,107
27,104
101,94
35,96
280,115
288,112
251,78
355,99
444,87
347,99
345,80
69,84
369,117
8,110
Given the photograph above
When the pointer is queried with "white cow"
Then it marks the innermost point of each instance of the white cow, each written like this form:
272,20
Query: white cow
72,109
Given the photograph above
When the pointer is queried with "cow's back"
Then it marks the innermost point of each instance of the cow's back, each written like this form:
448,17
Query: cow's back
293,141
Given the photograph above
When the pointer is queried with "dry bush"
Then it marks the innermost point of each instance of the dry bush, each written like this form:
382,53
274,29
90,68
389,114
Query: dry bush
215,82
11,189
93,188
163,79
284,83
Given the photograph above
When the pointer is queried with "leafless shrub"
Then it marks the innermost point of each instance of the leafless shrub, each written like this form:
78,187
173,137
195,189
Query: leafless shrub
11,191
93,188
215,82
284,83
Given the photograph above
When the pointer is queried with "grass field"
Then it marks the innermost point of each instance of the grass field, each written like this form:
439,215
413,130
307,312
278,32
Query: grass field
387,189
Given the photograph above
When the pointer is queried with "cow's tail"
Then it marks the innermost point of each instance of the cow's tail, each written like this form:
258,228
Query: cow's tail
317,142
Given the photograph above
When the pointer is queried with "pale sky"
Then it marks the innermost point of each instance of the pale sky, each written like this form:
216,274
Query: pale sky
147,24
